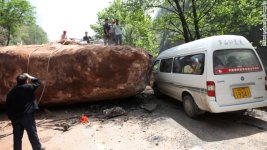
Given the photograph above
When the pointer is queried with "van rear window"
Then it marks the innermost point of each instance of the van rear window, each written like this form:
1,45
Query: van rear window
235,61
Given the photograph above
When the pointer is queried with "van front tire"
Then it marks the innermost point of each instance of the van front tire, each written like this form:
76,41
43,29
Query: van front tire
190,107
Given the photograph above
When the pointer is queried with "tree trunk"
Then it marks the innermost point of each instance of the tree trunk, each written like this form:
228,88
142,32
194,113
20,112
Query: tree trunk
186,35
8,36
2,7
195,20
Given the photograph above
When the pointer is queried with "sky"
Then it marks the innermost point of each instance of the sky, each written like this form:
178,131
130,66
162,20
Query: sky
75,17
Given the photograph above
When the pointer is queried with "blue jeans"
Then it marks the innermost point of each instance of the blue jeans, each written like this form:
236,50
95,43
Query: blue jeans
118,39
26,122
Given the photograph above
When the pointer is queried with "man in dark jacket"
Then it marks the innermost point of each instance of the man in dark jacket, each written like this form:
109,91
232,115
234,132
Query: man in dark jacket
86,37
106,28
21,104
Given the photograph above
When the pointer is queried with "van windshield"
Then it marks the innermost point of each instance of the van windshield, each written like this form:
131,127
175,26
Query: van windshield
235,61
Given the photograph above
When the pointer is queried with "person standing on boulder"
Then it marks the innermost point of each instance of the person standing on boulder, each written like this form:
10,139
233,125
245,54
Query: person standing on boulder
112,32
86,37
118,33
64,36
106,28
21,104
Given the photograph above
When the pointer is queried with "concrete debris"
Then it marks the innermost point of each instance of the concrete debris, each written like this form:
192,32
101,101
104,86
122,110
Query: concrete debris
8,124
64,125
149,107
155,139
114,112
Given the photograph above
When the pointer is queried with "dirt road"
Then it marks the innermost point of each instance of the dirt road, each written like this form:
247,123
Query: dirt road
167,127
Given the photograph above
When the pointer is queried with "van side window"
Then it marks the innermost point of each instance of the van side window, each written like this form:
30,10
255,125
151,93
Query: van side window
156,65
193,64
166,65
177,65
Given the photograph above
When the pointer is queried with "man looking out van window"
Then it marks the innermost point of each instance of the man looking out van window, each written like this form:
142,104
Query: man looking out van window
193,68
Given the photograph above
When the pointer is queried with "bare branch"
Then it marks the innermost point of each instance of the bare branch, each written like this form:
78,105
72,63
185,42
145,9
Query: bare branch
201,17
172,5
159,6
184,5
169,29
175,27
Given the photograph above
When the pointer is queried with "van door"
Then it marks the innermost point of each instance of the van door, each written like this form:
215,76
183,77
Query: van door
164,75
239,77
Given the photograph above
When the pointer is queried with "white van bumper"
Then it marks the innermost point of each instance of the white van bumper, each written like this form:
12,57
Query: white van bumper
215,108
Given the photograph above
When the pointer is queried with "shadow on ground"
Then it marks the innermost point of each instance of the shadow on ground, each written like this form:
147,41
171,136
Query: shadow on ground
209,127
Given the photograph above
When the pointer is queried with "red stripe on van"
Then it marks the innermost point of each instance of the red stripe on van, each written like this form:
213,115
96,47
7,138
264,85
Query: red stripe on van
238,69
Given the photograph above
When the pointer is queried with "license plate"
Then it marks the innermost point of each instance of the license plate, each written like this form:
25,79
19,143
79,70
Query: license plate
242,92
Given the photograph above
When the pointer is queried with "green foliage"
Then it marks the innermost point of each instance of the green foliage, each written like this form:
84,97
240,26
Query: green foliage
202,17
3,36
136,24
30,34
233,17
13,14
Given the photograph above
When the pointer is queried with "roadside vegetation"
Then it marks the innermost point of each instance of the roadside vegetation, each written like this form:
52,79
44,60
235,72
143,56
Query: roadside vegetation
18,24
178,21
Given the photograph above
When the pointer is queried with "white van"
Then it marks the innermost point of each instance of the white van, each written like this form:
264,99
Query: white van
215,74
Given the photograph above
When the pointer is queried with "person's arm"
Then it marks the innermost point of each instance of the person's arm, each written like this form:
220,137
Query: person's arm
34,81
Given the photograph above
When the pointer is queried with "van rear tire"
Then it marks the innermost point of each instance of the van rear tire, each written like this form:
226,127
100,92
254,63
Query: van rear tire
190,107
156,91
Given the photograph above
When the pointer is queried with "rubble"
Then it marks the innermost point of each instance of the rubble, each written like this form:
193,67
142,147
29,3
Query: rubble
149,107
114,112
65,126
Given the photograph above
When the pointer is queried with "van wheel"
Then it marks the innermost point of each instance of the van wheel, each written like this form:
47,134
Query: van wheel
190,107
156,91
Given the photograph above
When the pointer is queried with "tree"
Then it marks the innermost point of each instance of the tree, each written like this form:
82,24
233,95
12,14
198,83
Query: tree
30,34
136,24
13,14
233,17
192,19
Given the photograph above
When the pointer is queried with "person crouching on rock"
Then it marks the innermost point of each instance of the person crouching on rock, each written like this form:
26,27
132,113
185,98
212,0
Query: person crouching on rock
66,41
21,104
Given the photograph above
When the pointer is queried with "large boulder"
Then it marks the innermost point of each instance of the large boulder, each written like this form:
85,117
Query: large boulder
76,73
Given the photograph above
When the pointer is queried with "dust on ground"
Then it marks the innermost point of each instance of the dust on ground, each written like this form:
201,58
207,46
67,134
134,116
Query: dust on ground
139,123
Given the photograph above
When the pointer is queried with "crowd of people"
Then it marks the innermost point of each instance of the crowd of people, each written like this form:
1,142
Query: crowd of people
112,34
65,40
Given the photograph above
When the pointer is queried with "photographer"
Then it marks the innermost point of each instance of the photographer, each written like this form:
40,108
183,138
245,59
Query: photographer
21,104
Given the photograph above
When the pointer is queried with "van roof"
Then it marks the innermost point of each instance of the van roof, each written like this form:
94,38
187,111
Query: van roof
208,43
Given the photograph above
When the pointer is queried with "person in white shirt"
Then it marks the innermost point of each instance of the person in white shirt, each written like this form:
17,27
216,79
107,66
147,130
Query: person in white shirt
118,33
112,32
